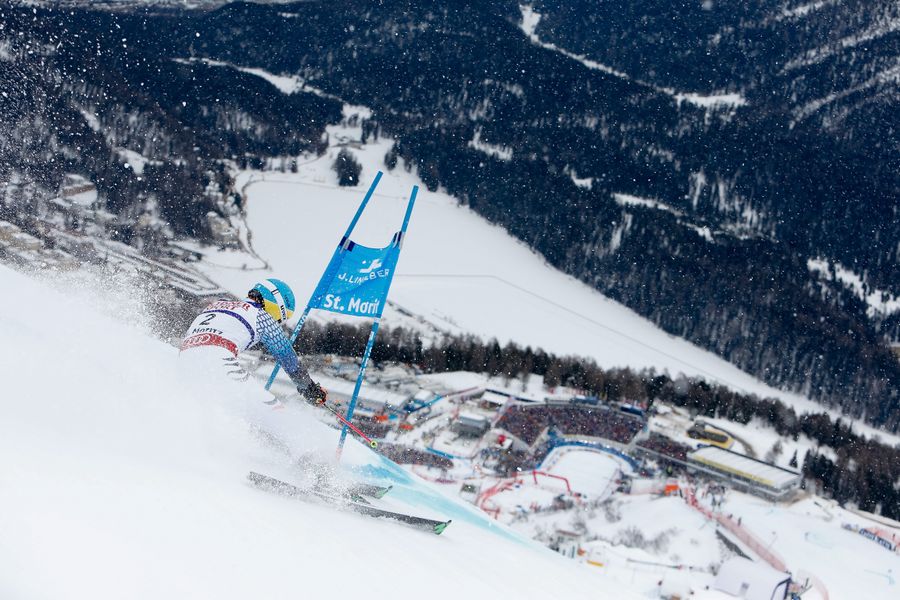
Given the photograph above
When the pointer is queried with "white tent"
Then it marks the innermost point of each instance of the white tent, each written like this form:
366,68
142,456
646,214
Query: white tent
743,466
750,580
494,398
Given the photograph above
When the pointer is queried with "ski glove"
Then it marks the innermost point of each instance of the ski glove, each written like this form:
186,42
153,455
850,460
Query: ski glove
315,393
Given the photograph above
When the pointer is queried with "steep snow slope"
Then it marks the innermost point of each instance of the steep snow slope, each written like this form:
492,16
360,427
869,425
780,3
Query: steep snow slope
118,483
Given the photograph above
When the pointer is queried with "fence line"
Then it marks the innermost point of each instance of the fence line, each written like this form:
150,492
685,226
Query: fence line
752,542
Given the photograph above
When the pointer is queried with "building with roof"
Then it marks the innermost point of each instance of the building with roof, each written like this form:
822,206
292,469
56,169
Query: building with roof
745,473
492,400
471,424
371,400
742,578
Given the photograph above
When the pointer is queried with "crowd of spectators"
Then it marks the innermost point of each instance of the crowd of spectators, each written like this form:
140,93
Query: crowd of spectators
524,422
665,446
511,461
372,428
407,455
527,422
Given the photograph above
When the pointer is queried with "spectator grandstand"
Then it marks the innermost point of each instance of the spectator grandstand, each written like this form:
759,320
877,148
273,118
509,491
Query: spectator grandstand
528,421
407,455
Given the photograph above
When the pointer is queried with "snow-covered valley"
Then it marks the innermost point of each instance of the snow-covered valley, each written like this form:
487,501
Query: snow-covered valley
720,170
458,273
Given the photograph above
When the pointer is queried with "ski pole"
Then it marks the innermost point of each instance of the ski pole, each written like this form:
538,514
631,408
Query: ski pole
372,443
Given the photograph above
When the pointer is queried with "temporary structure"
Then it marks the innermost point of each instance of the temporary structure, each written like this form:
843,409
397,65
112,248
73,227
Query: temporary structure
750,580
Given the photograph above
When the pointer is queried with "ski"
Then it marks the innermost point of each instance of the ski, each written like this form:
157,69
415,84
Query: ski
366,489
326,480
287,489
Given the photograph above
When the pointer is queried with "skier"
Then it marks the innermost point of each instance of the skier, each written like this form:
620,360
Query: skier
226,328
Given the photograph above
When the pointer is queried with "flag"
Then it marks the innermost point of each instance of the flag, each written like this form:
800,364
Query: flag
357,279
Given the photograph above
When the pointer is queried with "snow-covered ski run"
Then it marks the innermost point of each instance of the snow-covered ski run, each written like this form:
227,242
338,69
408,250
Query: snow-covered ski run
117,484
349,501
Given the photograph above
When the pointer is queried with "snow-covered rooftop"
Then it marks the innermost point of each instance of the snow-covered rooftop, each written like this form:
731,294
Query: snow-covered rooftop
744,466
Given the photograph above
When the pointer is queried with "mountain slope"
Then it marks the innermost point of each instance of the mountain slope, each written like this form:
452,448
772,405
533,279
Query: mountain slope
701,217
457,274
119,483
819,77
514,130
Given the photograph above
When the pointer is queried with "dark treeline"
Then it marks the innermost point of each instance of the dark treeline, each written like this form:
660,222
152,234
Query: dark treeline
864,471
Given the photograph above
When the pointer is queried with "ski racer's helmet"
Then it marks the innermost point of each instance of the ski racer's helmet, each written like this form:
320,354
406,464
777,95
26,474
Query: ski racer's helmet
275,296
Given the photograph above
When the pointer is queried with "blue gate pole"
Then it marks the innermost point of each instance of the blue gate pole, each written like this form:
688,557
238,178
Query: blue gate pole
398,240
341,247
359,380
409,208
362,206
365,360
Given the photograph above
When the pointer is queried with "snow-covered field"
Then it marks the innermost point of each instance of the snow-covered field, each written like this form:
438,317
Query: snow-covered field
589,472
651,542
809,536
119,483
458,273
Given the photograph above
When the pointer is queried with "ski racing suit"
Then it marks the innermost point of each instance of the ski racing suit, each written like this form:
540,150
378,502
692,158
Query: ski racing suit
226,328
